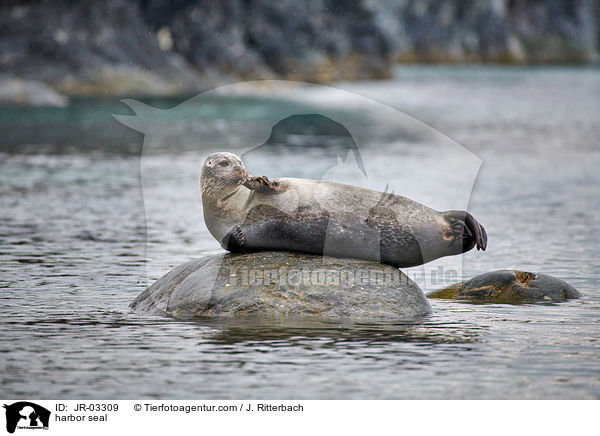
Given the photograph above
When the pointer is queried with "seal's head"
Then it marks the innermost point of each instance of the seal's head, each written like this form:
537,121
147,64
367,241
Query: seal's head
222,174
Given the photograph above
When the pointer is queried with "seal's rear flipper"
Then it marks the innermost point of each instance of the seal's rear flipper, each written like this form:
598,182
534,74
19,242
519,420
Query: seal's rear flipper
464,225
478,231
234,241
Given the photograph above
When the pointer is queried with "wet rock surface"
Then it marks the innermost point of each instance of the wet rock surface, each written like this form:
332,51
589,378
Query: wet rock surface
509,286
276,284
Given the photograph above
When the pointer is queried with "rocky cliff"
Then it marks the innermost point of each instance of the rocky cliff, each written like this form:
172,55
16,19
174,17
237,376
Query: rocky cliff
116,47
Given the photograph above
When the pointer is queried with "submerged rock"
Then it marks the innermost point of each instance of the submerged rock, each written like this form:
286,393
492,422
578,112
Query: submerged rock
277,284
510,285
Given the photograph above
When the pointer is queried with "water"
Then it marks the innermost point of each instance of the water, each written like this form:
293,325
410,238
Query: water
74,252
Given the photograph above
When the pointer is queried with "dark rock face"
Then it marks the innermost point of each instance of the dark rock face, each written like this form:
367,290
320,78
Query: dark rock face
555,31
276,284
210,35
317,40
169,47
510,286
88,48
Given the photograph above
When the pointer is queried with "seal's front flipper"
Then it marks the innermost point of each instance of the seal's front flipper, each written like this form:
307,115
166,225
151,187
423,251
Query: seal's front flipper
263,185
465,226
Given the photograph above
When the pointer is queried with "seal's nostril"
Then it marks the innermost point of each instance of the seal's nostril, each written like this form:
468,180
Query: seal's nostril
239,169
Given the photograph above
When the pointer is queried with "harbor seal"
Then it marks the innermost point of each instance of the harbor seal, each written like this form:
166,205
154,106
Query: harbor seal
247,214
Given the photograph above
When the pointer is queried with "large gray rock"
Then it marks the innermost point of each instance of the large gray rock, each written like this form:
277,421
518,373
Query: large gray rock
14,91
274,284
509,286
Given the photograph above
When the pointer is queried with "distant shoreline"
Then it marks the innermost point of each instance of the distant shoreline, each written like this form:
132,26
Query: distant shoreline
50,51
18,92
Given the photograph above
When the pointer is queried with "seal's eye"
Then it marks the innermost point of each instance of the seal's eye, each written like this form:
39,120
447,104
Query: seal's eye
224,163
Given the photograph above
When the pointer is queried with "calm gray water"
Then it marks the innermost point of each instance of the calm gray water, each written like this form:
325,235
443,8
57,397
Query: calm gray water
79,240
